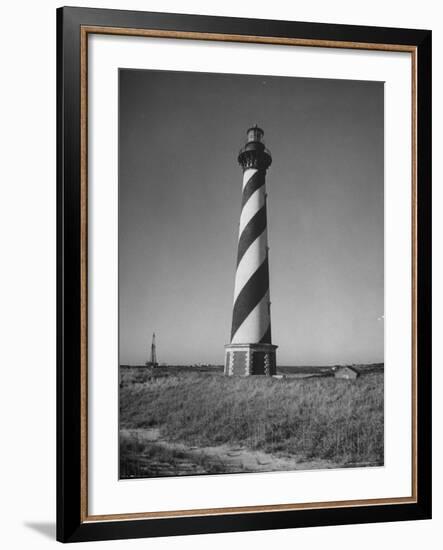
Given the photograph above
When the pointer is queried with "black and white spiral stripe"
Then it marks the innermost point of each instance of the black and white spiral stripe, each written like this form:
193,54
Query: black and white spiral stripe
251,315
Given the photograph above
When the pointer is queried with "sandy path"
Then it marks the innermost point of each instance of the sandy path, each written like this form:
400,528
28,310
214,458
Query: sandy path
235,458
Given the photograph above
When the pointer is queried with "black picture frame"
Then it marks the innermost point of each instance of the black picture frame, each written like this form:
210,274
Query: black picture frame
72,525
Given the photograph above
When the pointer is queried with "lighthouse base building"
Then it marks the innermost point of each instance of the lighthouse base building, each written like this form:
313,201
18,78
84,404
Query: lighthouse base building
247,359
251,350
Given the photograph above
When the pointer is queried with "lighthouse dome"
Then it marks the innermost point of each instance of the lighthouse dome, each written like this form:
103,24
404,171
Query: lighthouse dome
255,134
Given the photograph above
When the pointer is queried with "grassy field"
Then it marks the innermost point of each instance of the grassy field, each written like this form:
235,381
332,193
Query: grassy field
314,420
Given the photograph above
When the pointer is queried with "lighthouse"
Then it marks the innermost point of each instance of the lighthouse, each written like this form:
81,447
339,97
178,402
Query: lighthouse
153,359
251,351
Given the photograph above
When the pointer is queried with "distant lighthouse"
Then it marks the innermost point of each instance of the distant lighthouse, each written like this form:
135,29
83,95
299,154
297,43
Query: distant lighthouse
153,358
251,350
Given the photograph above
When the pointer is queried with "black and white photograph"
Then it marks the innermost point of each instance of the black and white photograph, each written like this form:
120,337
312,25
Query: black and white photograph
251,273
217,275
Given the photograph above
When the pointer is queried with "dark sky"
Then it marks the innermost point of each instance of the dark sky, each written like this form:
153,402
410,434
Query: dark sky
180,199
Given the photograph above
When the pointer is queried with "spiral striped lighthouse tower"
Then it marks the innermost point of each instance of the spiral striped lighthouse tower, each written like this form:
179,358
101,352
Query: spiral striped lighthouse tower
251,350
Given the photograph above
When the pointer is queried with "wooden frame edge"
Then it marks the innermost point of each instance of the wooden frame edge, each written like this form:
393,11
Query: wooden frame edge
85,30
282,41
414,269
84,275
204,512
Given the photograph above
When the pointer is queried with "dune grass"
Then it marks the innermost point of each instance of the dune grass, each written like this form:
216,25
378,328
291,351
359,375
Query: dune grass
147,459
315,418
